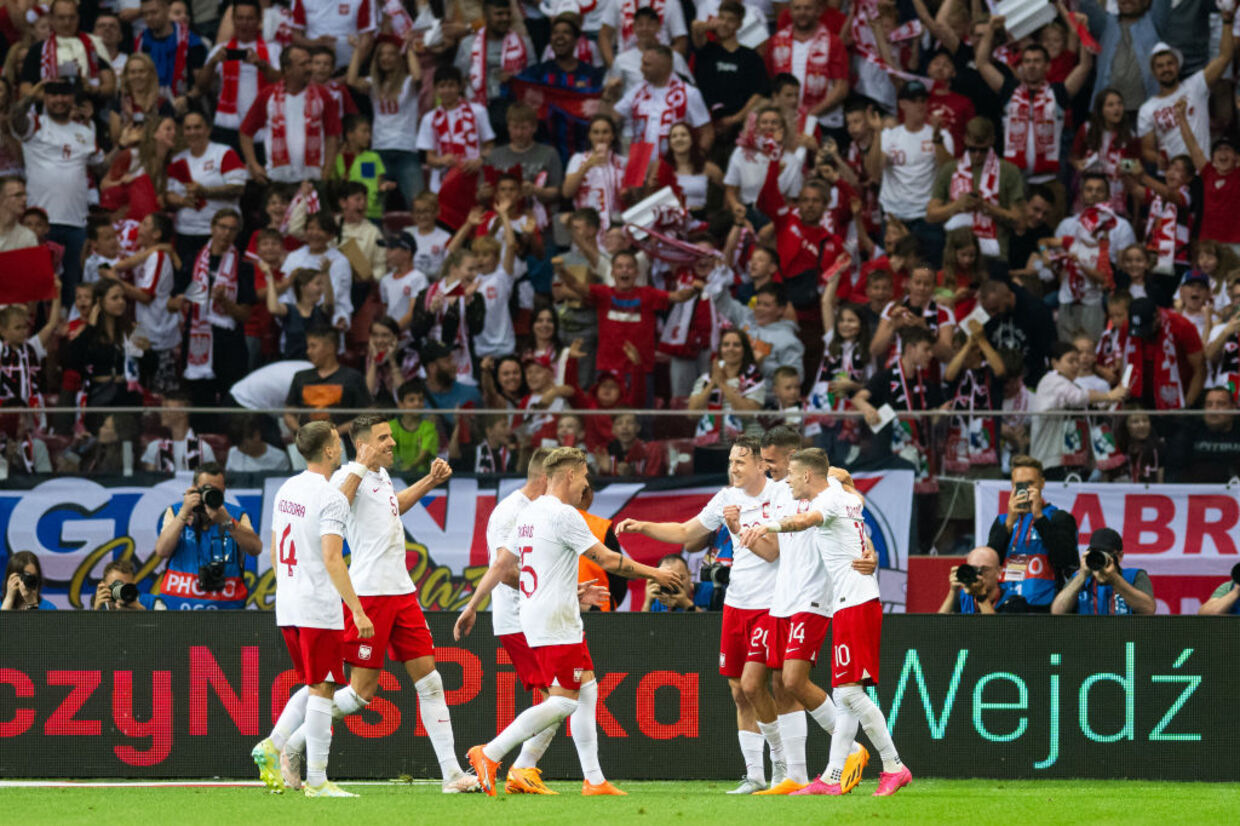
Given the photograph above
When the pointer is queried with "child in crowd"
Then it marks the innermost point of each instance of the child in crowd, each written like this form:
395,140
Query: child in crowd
105,250
627,455
495,452
358,162
417,440
403,282
786,398
1145,450
430,241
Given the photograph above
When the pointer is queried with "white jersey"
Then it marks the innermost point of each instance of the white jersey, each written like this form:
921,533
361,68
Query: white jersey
307,509
398,290
802,584
396,121
505,600
161,326
376,537
909,176
547,538
752,578
497,336
56,157
217,166
840,540
339,272
432,249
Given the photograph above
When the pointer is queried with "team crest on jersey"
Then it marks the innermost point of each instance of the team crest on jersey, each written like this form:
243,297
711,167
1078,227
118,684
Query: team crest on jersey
364,652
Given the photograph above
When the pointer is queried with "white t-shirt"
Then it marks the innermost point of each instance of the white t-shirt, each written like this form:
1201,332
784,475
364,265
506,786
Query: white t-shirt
396,121
547,538
628,67
840,540
673,23
643,105
150,456
428,138
271,459
219,165
247,81
1157,115
1119,236
747,172
397,291
338,272
802,584
431,249
307,509
505,601
908,179
57,155
497,337
339,18
376,537
600,187
753,578
267,387
159,325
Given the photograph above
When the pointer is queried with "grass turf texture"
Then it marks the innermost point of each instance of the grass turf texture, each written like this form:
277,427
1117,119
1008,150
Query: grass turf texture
926,801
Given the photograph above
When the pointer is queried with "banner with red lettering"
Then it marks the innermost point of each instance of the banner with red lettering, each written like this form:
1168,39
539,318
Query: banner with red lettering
1184,536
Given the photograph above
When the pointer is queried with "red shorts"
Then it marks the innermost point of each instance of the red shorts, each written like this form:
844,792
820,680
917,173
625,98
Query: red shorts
854,644
563,665
742,640
400,630
318,654
523,659
798,637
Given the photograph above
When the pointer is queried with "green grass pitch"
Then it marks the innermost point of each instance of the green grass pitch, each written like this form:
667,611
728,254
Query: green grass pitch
1021,803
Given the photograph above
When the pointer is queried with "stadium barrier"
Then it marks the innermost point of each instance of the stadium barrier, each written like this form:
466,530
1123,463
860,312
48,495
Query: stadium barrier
187,694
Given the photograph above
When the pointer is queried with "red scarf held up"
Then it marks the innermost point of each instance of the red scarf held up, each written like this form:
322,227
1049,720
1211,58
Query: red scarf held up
230,81
49,66
513,58
1037,111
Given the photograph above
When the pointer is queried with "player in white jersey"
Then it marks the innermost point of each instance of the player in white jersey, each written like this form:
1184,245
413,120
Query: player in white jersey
742,644
800,616
377,568
836,521
307,539
544,545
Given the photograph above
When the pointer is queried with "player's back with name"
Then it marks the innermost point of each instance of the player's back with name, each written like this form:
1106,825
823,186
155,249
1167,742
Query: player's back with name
840,540
376,537
307,508
547,538
505,616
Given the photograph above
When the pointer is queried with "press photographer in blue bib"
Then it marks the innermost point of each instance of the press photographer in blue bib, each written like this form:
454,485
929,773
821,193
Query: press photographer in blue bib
1103,586
204,543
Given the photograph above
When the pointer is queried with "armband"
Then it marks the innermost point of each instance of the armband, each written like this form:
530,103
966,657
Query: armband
774,527
357,469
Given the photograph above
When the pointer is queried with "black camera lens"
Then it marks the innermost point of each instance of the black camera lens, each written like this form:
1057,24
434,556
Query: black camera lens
1235,573
31,581
124,591
212,497
966,574
1097,560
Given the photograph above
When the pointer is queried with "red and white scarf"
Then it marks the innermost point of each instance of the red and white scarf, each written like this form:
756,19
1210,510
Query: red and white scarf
205,312
1115,348
456,131
230,78
1163,232
286,27
460,353
180,63
1037,111
628,8
815,84
680,317
972,439
584,51
865,45
1168,383
166,458
717,424
1090,247
49,63
278,126
1107,159
513,58
675,108
310,200
984,228
398,17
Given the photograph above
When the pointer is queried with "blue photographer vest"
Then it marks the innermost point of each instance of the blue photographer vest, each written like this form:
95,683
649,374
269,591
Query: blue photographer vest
1026,568
968,605
180,589
1101,600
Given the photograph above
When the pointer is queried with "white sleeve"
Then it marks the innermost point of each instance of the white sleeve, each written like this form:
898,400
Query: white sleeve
497,536
335,513
572,529
485,132
680,67
697,112
624,109
711,516
426,135
611,17
732,177
341,275
674,21
208,455
1145,119
887,140
151,453
948,144
576,162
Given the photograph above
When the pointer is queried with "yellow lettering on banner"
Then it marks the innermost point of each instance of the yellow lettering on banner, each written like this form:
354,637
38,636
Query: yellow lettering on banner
126,546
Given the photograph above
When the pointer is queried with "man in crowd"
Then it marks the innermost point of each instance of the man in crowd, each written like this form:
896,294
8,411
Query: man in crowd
328,384
808,50
238,70
1208,450
1156,122
334,25
179,53
981,191
650,108
563,71
68,54
488,59
628,63
732,76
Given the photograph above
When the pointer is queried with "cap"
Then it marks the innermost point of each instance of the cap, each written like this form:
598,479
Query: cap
402,241
1196,277
434,351
1106,539
1142,314
60,86
914,89
1160,48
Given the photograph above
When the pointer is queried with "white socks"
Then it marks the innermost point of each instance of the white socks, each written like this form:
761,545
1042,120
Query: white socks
841,743
792,729
345,701
438,725
751,749
318,739
534,748
291,717
585,733
770,732
824,715
550,712
872,720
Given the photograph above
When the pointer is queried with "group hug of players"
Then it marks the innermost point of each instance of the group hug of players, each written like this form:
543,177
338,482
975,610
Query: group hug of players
800,559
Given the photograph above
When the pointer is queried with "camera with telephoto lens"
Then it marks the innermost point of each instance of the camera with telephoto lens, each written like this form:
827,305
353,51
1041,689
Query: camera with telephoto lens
212,497
1097,560
31,581
717,574
123,592
966,574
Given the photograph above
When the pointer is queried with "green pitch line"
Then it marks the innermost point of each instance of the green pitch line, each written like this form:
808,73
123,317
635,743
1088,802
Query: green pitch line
1071,802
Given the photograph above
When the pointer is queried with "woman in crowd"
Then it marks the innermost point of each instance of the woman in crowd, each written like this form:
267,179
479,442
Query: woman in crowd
963,272
846,367
304,312
503,383
1104,142
393,87
138,98
134,185
388,364
203,178
733,383
593,179
106,356
694,174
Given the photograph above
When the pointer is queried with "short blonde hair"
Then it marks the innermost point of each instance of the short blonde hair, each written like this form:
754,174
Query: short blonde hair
563,459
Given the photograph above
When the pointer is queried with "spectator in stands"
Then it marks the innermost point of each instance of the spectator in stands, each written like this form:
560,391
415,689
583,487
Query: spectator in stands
239,68
204,547
403,282
430,241
916,311
321,229
179,53
250,452
153,284
732,77
333,26
593,177
358,239
695,596
452,312
769,141
417,441
1019,322
495,452
444,387
1161,138
628,455
1169,369
302,313
326,385
734,382
1225,599
1025,236
809,50
393,87
106,356
184,450
23,584
1105,587
13,235
1057,390
1207,450
650,108
203,178
628,63
983,594
542,171
67,53
1105,141
619,28
117,590
388,364
488,59
107,30
22,355
775,340
1220,186
138,97
457,133
302,127
974,378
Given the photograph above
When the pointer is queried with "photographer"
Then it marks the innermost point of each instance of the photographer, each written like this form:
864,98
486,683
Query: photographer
659,600
1226,597
118,590
23,584
1102,586
1036,541
203,543
973,588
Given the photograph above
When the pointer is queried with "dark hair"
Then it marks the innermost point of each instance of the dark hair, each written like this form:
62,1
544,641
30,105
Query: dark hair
113,330
93,225
1036,47
1094,175
697,158
675,557
782,436
1041,191
245,426
447,73
324,331
615,133
774,291
627,254
502,360
913,336
747,360
162,224
351,122
254,4
781,80
286,56
1059,349
124,566
588,214
301,277
208,469
646,11
836,347
1097,124
957,239
411,386
324,220
733,7
350,188
388,322
908,247
363,423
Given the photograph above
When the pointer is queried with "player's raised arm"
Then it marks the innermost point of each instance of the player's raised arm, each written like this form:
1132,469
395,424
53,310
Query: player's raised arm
367,459
503,570
673,533
626,566
789,524
440,472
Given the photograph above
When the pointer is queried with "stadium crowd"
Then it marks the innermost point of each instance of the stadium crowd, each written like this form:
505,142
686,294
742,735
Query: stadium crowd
868,206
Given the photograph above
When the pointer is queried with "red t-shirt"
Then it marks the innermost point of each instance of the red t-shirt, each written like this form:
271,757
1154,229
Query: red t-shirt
955,110
626,316
1187,341
1220,204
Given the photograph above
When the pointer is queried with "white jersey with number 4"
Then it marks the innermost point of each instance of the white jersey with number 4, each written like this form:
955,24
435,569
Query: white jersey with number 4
307,509
505,600
376,537
802,584
840,540
547,538
752,577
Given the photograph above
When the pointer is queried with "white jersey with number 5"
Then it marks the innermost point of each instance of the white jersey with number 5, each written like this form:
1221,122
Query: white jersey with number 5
376,537
752,577
548,538
307,509
802,584
840,540
505,600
